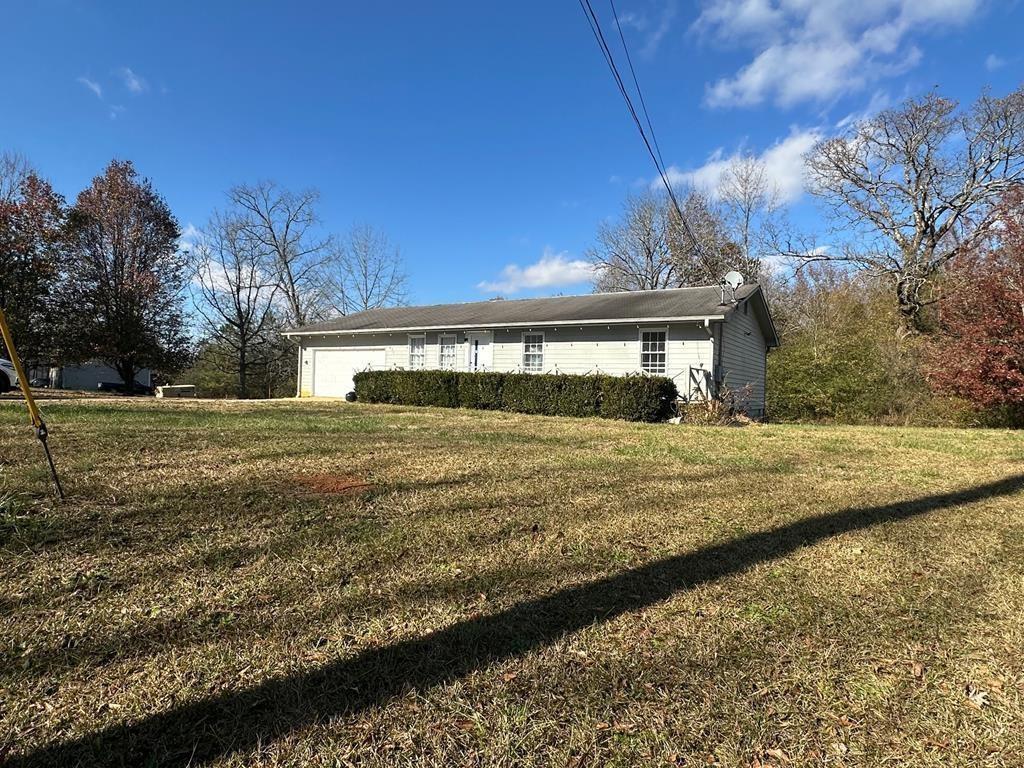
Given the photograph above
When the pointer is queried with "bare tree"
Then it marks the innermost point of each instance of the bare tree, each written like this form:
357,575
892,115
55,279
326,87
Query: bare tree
750,204
365,271
650,247
633,254
921,182
705,249
287,225
235,293
14,171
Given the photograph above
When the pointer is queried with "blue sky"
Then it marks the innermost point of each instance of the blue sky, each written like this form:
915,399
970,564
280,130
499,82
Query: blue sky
485,138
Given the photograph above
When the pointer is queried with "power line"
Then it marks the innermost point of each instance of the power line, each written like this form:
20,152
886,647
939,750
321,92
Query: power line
595,27
654,151
636,83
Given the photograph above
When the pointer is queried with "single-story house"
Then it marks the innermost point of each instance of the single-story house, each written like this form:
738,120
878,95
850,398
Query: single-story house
705,338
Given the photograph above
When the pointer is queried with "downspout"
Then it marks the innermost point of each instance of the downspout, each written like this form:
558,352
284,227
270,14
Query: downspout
719,342
298,378
764,388
714,332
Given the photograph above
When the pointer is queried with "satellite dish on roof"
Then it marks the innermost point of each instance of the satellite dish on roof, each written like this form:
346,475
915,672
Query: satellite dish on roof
733,279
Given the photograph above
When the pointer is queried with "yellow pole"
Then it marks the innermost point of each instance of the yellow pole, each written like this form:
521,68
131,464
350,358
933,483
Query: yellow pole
30,402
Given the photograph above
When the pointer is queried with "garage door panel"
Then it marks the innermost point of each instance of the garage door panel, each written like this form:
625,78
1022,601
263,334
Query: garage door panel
333,369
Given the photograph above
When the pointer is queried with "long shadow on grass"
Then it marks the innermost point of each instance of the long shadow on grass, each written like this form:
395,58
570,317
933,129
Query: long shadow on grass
234,721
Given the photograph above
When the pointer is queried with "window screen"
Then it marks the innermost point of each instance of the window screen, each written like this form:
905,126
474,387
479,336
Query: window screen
417,351
653,351
533,352
446,352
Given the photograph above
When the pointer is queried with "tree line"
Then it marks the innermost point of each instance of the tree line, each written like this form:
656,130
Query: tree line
263,264
653,245
910,306
108,278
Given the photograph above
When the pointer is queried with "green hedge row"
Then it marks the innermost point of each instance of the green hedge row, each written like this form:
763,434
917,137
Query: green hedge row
633,398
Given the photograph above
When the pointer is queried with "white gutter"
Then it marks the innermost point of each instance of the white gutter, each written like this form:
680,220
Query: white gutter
549,324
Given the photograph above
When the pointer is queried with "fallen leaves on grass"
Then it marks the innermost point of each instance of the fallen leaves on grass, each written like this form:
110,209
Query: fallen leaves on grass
976,696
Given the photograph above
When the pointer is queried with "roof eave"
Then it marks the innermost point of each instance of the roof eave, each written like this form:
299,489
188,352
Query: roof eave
772,341
524,324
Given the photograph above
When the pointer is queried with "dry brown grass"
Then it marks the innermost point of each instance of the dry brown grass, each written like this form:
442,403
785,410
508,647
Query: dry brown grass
15,395
513,591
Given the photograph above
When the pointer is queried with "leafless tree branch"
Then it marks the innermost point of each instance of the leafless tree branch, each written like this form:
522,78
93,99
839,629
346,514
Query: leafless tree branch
924,179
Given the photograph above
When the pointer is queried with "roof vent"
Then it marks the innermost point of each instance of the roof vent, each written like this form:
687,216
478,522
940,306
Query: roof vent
730,283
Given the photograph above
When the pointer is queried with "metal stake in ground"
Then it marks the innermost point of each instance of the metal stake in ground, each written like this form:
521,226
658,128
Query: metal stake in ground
30,402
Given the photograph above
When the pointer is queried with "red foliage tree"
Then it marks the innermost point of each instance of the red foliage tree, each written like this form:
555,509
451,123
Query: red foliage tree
31,259
979,353
124,292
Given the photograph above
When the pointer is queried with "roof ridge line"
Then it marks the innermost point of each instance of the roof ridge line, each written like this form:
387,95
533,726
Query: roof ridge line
545,298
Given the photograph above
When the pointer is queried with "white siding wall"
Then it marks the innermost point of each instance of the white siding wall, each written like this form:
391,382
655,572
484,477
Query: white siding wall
609,349
743,358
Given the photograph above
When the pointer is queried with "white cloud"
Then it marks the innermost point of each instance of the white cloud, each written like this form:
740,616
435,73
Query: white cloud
783,164
653,31
879,100
190,236
993,62
741,20
553,269
806,50
132,81
92,85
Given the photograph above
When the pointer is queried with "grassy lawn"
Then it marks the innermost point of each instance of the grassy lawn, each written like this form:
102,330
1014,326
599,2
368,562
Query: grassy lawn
511,590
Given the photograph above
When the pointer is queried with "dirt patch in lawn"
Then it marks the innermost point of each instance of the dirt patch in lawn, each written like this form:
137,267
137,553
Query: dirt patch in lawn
328,484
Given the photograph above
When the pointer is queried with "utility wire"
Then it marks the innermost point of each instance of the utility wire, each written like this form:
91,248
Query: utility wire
636,83
595,27
654,151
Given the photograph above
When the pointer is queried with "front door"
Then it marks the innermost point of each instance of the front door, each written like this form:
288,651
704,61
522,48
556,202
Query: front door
479,351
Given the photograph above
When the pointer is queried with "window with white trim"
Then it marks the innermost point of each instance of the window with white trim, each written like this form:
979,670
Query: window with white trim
533,352
446,351
417,351
653,351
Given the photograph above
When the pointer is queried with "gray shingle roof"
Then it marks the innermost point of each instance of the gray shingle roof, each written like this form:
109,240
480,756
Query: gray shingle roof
673,303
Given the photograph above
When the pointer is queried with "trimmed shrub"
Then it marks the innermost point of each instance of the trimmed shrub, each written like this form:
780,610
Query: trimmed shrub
631,398
638,398
580,395
427,388
375,389
480,390
531,393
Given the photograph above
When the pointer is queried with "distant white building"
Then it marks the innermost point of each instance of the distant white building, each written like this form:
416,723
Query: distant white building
87,376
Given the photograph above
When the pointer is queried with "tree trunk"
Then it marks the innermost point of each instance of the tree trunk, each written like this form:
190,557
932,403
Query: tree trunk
126,370
243,364
908,298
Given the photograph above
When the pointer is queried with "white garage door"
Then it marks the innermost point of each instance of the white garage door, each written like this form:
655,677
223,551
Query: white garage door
333,369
